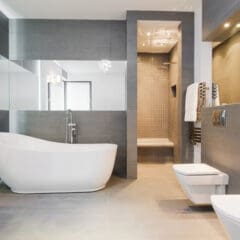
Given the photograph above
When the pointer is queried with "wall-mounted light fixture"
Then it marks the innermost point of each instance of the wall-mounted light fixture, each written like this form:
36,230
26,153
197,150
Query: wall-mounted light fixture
238,25
105,65
54,78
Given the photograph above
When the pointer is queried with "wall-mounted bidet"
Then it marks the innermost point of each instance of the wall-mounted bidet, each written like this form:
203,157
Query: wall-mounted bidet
200,181
227,208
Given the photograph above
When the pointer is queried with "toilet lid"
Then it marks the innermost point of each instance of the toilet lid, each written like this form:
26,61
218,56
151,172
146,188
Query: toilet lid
195,169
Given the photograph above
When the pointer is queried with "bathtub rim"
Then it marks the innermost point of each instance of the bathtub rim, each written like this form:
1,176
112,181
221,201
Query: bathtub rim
69,148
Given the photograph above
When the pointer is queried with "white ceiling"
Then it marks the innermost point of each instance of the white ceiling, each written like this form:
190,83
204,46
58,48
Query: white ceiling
91,9
157,36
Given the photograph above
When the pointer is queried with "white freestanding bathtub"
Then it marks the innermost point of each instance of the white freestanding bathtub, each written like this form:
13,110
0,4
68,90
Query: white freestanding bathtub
32,165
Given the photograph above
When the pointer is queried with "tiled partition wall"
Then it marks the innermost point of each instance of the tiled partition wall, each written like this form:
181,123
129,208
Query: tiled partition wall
187,77
67,39
221,146
4,121
92,127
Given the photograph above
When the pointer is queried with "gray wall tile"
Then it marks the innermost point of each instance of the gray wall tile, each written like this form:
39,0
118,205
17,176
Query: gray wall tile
67,39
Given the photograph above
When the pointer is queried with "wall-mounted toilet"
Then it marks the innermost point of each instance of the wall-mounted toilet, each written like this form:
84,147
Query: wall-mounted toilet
200,181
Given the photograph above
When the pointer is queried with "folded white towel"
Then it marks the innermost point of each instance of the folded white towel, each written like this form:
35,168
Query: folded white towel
191,103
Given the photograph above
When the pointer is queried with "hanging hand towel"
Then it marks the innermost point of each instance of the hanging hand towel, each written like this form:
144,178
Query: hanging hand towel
191,103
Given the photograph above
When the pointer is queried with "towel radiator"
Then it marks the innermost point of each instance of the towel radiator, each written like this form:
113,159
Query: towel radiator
195,134
202,95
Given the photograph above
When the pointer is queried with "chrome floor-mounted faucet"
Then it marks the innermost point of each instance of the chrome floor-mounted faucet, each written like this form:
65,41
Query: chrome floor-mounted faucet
71,129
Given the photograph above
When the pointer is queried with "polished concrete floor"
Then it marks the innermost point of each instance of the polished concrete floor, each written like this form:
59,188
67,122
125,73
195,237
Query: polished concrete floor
150,208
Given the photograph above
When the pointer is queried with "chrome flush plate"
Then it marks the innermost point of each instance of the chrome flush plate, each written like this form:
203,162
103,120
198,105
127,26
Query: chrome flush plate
219,118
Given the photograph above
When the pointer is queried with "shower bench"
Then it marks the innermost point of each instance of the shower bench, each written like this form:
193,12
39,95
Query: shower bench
154,142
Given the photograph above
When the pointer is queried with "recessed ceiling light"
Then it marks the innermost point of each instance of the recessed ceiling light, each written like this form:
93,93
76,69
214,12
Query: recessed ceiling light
148,34
227,25
238,25
143,44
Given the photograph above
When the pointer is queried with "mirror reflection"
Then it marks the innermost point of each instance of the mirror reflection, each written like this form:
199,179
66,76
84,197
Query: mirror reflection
4,84
61,85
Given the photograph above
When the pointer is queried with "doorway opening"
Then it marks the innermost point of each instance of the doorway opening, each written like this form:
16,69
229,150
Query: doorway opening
159,48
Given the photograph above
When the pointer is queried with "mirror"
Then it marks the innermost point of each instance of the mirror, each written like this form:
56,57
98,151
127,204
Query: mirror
61,85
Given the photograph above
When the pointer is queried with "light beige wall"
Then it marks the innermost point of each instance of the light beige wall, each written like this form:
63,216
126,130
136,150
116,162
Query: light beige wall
226,69
153,100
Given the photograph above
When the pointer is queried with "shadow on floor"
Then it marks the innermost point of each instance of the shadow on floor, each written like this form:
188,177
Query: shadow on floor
182,206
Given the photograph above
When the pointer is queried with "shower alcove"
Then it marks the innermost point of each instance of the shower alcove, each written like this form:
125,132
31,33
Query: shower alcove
158,79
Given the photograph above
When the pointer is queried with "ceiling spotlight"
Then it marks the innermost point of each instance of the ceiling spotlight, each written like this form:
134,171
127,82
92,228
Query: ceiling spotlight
148,34
143,44
227,25
238,25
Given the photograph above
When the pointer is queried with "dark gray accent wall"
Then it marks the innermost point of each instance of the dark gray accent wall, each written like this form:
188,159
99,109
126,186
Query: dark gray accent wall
215,13
93,127
67,39
221,146
187,77
4,121
4,35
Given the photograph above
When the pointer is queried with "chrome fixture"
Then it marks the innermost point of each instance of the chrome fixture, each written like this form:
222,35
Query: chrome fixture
71,129
219,118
